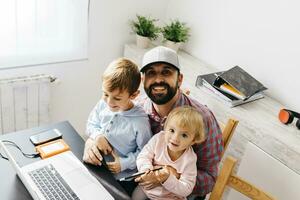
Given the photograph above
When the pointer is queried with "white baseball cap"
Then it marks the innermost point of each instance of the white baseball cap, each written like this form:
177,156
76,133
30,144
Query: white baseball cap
160,54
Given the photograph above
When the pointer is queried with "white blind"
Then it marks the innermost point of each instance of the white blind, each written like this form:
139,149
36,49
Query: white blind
42,31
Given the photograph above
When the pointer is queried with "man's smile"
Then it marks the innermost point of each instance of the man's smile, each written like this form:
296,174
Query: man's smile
158,89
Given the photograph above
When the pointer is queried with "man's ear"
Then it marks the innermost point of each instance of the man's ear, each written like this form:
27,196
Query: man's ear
142,77
180,79
134,95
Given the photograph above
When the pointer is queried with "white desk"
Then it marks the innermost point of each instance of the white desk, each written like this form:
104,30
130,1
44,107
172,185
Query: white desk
278,180
258,119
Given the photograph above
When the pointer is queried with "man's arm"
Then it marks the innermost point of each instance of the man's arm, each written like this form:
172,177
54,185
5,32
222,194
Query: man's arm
209,155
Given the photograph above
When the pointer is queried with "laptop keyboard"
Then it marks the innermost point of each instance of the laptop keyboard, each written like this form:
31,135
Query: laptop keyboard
51,184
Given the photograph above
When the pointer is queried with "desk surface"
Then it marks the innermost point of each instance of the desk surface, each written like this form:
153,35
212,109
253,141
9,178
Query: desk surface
11,188
258,120
278,180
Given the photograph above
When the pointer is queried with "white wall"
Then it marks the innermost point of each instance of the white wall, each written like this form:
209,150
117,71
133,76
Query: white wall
260,36
79,90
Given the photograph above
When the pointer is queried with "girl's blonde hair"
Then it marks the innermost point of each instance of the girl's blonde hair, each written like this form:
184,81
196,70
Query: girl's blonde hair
122,74
189,118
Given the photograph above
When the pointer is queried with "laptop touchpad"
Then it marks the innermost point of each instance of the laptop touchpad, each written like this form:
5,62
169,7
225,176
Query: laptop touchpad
78,178
85,186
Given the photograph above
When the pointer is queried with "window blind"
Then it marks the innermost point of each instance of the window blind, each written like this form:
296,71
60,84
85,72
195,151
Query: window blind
42,31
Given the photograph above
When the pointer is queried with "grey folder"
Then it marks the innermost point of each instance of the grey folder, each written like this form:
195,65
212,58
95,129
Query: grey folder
240,80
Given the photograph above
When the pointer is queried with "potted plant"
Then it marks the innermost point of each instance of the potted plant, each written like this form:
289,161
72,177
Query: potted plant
175,33
145,30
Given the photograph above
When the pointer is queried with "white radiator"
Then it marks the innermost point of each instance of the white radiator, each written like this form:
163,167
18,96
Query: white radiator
24,102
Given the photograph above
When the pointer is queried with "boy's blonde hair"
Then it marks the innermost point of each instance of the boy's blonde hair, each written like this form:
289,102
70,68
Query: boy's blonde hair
122,74
189,118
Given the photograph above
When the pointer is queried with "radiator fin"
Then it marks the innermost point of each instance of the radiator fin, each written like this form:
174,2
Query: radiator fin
24,102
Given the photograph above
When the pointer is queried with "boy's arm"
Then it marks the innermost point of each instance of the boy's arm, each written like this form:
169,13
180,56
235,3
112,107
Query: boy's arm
93,129
93,126
142,137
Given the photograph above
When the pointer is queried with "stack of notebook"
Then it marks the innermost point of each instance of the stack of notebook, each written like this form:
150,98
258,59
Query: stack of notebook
233,87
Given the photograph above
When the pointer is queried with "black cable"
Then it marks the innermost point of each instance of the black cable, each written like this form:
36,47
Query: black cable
27,155
3,156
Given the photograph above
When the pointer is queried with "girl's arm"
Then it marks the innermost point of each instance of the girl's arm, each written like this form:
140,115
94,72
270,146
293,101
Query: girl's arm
145,158
185,184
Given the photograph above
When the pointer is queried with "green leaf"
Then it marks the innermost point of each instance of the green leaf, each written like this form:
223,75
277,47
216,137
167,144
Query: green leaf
145,26
176,31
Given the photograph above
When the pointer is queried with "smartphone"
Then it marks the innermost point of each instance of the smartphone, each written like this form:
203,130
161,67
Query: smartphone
45,136
108,158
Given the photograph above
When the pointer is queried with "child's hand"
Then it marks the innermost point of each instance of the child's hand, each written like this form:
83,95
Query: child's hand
148,180
91,153
163,174
172,171
115,166
103,145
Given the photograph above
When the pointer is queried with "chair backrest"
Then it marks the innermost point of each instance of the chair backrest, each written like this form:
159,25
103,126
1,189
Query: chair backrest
228,178
228,131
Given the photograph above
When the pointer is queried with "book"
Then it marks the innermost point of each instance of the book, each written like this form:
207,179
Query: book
205,82
234,102
240,81
208,81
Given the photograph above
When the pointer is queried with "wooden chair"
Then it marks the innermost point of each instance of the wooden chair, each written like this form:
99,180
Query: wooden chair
228,178
227,132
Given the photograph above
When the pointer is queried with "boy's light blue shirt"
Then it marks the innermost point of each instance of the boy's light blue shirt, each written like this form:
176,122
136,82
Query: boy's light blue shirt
126,131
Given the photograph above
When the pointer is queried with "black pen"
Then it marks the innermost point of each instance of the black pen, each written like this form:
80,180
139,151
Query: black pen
137,174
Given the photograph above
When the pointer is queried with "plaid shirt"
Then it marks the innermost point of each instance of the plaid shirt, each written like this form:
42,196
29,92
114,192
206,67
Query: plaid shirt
208,153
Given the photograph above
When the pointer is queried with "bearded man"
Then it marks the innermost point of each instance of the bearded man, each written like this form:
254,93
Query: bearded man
162,79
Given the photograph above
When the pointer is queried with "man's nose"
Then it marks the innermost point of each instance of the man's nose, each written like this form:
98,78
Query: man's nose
159,78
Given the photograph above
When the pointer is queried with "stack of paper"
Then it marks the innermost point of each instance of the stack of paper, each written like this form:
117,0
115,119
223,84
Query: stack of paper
215,85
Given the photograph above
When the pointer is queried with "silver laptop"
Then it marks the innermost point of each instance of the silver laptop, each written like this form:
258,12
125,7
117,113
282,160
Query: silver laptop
61,176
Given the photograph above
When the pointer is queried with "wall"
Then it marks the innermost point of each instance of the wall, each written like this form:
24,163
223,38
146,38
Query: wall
260,36
80,86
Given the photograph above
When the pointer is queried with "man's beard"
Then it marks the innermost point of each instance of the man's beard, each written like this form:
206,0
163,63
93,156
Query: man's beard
161,99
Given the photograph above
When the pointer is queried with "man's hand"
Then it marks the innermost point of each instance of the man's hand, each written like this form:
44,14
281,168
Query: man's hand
115,166
103,145
91,153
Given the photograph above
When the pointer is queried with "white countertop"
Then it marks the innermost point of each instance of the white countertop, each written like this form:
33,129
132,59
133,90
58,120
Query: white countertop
279,180
258,120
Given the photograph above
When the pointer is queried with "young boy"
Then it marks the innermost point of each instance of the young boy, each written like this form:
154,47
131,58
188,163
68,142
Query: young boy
116,126
172,148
